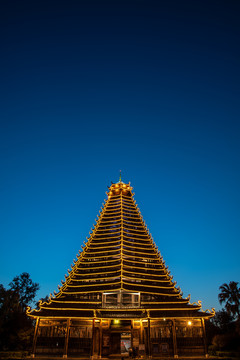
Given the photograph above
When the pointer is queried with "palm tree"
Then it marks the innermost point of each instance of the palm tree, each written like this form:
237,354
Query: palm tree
230,294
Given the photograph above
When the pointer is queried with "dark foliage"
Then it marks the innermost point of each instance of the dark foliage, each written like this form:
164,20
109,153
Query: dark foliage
230,295
25,288
16,328
223,331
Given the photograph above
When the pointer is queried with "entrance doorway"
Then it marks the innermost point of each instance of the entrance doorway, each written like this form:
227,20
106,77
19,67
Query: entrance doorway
125,343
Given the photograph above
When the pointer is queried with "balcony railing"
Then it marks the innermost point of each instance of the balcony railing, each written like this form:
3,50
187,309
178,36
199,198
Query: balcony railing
121,305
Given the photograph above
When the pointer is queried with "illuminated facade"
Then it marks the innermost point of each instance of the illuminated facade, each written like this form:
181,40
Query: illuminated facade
119,297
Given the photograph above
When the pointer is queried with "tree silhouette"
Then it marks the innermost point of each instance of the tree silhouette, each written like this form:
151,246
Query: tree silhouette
230,295
25,288
16,328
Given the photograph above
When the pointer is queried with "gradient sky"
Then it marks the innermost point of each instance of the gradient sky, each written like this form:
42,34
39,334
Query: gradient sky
148,87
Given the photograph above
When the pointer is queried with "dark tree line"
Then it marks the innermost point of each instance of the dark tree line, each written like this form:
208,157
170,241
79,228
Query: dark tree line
223,330
16,328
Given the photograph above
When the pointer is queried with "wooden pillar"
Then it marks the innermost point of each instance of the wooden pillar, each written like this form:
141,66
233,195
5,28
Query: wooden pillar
100,340
65,351
175,352
93,338
149,339
204,337
141,332
35,338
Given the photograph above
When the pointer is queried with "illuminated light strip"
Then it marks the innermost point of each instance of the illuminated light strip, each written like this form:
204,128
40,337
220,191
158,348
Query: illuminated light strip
129,207
106,223
102,236
113,218
131,217
142,273
59,317
105,238
107,233
93,291
116,229
147,263
161,302
69,309
101,272
140,237
113,206
145,237
115,272
131,272
109,249
140,252
93,278
133,220
136,236
77,302
136,243
111,242
114,203
128,198
131,211
108,240
114,240
93,273
141,257
144,257
97,262
114,243
174,309
111,212
104,256
142,232
110,222
84,282
151,293
142,284
99,267
96,284
129,236
100,252
100,255
128,223
132,229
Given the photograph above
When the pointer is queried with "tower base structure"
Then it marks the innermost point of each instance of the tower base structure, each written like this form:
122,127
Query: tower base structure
120,338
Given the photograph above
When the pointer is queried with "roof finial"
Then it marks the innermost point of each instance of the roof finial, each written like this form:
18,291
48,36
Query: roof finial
120,176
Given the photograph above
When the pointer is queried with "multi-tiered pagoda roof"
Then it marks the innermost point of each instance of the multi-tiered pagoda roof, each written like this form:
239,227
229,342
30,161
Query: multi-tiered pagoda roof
120,257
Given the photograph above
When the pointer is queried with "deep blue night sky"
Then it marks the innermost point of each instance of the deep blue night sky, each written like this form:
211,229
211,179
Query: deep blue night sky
148,87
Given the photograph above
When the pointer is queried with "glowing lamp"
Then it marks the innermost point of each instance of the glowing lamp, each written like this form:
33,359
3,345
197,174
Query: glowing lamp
189,323
116,321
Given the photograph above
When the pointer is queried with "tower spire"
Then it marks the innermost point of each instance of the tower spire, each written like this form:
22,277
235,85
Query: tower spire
120,176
